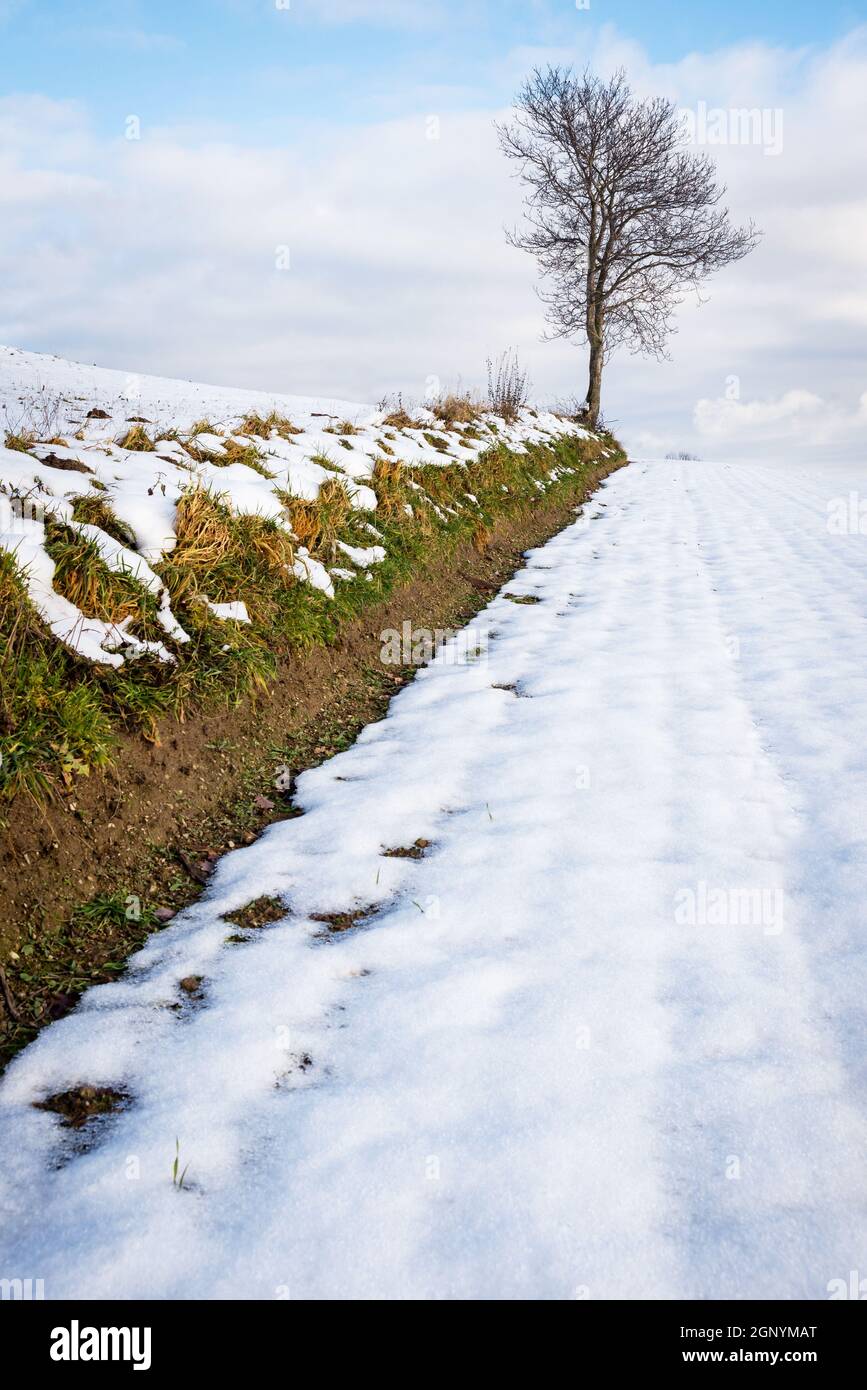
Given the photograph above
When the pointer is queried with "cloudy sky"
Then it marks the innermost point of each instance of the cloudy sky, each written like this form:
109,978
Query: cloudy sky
307,195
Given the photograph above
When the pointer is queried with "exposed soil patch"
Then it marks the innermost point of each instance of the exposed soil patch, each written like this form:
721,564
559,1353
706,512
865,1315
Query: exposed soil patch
522,598
83,1103
513,688
338,922
68,465
416,850
261,913
113,841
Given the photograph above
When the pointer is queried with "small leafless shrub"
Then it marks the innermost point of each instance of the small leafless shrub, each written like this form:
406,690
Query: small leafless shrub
508,386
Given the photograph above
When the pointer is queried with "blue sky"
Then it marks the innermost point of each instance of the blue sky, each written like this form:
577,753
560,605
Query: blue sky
259,67
264,128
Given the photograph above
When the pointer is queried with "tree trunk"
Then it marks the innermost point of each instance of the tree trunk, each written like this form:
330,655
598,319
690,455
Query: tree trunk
594,387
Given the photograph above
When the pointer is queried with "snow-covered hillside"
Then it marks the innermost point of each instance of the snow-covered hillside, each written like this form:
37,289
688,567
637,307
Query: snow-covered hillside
59,393
595,1031
141,443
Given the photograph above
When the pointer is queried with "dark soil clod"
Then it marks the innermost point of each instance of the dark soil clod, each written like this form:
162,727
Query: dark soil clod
338,922
83,1103
416,850
260,913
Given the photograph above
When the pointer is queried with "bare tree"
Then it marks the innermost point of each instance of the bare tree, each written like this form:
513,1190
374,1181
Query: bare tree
622,219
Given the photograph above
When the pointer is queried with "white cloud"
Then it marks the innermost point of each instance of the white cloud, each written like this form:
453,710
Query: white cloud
159,255
727,419
798,414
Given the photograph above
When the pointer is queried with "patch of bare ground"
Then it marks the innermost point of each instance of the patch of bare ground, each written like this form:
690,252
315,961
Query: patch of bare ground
260,913
339,922
83,1103
417,850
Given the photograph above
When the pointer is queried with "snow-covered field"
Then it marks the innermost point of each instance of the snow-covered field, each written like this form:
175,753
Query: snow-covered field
81,416
606,1038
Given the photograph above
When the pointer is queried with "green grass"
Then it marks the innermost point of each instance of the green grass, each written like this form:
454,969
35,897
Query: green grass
52,966
59,715
53,720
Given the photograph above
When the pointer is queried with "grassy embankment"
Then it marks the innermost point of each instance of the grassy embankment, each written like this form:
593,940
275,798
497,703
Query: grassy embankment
62,718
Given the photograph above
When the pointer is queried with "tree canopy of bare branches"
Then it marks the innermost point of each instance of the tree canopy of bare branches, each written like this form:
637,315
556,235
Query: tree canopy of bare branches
621,217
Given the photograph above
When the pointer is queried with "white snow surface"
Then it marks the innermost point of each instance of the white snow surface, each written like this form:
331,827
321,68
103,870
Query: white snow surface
30,381
524,1075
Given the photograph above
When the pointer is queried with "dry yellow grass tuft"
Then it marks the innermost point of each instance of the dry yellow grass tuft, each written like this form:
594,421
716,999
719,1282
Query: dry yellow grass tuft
456,408
138,439
264,427
400,420
20,443
318,524
390,485
82,576
219,553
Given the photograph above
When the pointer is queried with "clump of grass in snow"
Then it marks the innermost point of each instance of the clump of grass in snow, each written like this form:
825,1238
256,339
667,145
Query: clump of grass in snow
138,439
249,455
390,485
318,524
263,428
94,509
221,554
327,463
21,442
437,442
456,408
82,576
400,419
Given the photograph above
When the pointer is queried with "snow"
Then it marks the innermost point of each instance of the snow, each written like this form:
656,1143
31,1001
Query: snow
92,638
235,612
312,571
555,1060
362,557
57,400
32,379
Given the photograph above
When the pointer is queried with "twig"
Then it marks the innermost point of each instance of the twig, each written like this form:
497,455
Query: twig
190,867
7,997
